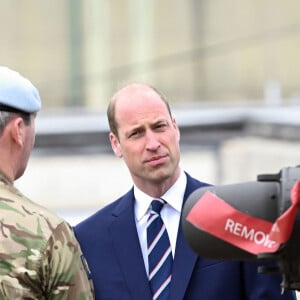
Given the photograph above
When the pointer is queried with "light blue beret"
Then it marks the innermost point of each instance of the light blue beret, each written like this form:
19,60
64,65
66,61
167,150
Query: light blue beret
18,92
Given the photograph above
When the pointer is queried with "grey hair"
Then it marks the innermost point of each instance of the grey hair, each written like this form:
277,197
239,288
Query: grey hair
6,116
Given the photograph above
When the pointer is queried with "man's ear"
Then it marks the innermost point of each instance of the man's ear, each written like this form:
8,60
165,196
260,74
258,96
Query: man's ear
115,145
18,130
176,128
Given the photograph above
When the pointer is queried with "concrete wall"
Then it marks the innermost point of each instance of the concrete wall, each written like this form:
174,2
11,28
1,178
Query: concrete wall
79,52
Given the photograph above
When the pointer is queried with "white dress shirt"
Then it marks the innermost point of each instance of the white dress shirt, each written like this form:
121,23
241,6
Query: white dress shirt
170,213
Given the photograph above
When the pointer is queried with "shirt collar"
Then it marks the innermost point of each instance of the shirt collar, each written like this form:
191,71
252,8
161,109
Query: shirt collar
173,196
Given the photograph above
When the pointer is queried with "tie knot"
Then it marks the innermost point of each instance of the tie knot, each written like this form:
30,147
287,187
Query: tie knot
157,205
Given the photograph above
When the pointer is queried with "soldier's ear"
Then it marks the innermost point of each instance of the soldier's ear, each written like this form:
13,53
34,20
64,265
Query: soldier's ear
17,130
115,144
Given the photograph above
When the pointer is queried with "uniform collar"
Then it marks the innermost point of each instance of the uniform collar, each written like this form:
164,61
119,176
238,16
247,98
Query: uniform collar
4,179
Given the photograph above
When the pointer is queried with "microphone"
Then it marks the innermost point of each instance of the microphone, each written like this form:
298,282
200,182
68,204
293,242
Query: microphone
255,220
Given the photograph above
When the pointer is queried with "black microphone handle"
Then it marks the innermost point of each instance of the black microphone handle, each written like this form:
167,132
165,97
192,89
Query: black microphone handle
258,199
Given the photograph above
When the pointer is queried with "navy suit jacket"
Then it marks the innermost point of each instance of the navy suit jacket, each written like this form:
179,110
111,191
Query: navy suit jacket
110,243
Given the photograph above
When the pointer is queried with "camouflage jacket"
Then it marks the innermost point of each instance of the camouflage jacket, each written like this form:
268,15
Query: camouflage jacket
39,255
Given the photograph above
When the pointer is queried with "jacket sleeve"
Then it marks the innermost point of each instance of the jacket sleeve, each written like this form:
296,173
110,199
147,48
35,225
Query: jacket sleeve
263,286
64,268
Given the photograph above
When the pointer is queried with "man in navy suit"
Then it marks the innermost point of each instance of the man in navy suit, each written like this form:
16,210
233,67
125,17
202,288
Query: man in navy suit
114,241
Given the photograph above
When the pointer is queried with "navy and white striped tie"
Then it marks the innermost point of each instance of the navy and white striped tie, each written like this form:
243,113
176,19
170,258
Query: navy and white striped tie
159,253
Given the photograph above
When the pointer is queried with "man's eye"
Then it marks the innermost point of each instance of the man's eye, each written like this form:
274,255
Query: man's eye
133,134
163,125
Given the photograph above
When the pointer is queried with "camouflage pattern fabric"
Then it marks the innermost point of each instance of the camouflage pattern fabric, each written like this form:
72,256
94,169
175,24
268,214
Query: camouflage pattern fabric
39,255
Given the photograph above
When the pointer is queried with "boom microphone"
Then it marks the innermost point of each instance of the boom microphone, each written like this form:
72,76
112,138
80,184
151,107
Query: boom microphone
256,220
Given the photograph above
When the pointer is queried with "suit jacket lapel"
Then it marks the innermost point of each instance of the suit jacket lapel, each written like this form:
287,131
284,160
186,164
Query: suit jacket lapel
185,259
183,266
127,248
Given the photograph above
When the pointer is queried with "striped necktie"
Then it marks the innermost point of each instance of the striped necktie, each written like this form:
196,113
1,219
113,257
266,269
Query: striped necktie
159,253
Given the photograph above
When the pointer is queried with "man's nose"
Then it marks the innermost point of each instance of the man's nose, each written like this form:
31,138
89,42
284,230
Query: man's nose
152,142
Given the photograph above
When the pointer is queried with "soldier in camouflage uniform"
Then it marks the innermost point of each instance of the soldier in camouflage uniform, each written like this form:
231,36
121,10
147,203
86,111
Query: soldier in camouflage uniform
39,255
